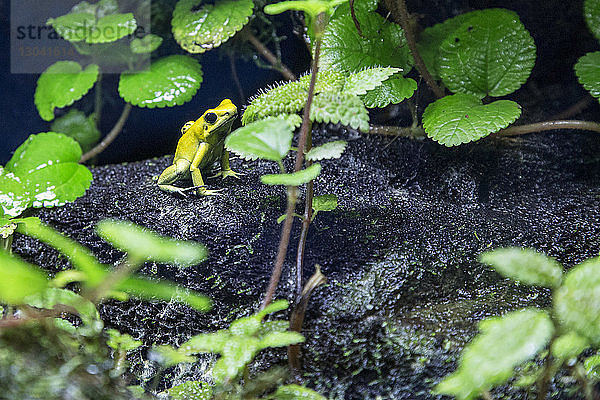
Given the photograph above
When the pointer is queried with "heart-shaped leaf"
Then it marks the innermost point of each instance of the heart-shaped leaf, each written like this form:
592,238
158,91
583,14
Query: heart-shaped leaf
325,202
341,107
147,44
462,118
211,25
367,79
382,44
61,84
491,53
76,125
328,150
171,81
587,69
391,91
293,179
269,139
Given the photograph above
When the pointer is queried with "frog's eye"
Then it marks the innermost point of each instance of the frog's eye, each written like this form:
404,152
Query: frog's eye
211,118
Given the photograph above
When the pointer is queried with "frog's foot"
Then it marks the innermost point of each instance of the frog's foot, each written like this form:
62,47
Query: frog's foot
203,191
228,172
192,189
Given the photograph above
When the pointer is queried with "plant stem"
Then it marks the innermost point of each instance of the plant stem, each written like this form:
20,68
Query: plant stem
293,190
98,100
120,273
114,132
544,382
409,131
236,79
306,220
268,55
549,126
575,109
400,13
588,389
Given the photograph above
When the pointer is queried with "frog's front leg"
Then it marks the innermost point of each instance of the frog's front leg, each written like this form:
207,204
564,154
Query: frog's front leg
203,149
225,168
179,170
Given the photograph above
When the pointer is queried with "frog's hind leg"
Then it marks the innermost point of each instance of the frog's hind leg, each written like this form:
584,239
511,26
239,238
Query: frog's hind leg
179,170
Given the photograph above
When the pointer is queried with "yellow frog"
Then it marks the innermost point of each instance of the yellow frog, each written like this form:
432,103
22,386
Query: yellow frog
200,145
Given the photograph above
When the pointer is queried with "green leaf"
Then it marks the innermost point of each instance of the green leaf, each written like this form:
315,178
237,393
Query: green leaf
367,79
277,305
328,80
361,7
311,7
191,390
591,11
325,202
19,279
524,265
79,127
94,23
61,84
121,341
269,139
344,108
280,339
167,356
48,166
293,179
491,53
171,81
462,118
237,353
432,38
577,301
209,26
296,392
504,343
382,44
592,367
206,343
327,151
14,195
142,244
7,227
86,310
587,69
147,44
569,345
287,98
391,91
147,289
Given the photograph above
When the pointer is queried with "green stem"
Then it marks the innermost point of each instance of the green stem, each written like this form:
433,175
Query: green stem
410,132
112,135
119,274
546,377
98,100
400,13
293,190
549,126
588,389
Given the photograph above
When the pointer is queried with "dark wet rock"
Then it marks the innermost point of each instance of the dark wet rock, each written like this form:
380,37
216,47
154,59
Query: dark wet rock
404,291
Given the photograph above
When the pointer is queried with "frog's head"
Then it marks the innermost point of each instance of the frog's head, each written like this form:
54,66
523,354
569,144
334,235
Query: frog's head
218,120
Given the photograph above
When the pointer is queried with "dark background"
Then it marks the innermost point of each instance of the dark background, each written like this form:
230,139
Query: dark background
557,27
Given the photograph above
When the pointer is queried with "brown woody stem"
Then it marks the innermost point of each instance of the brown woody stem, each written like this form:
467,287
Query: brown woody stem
112,135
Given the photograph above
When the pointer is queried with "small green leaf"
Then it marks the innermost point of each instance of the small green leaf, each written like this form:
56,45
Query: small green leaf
296,392
491,53
293,179
382,44
237,353
569,345
210,25
171,81
287,98
121,341
577,301
48,166
76,125
344,108
277,305
328,80
504,343
280,339
327,151
147,44
19,279
147,289
191,390
167,356
61,84
74,27
391,91
143,244
325,202
111,28
206,343
367,79
587,69
592,367
246,326
269,139
591,11
432,38
7,227
527,266
462,118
